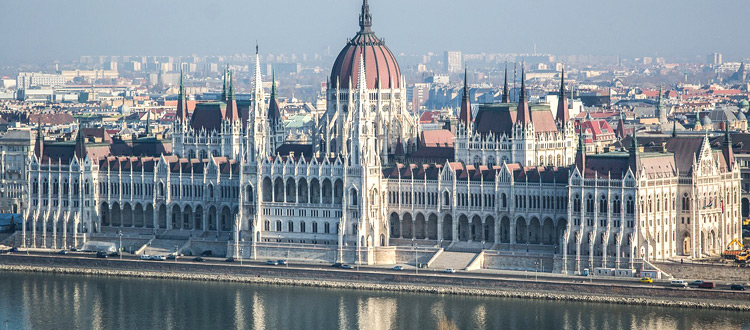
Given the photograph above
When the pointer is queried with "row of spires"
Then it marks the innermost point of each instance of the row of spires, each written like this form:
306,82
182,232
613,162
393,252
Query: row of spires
523,115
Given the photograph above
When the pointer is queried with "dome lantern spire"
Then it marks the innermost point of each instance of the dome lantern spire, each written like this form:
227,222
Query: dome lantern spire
365,19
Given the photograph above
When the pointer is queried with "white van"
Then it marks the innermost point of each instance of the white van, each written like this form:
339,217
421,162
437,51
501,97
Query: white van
678,283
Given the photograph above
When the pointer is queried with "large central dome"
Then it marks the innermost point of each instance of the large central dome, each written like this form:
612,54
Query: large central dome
380,64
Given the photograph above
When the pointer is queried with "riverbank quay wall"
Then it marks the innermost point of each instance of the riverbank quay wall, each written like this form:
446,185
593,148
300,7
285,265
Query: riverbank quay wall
367,280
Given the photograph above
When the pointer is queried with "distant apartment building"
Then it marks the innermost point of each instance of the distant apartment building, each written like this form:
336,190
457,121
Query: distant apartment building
27,80
714,59
420,92
453,61
70,75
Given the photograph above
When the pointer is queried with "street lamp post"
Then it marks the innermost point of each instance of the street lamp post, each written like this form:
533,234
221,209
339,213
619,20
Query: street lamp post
119,248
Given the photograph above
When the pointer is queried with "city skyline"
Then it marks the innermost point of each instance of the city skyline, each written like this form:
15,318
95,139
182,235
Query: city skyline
63,31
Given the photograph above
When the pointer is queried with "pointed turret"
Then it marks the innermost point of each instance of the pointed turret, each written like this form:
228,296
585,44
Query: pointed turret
224,85
365,19
465,114
505,85
634,152
562,103
674,127
621,127
231,111
39,146
258,96
274,111
726,149
523,116
581,152
80,150
181,103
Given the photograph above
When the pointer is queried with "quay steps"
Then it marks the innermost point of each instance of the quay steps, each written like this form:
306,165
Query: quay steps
163,246
455,260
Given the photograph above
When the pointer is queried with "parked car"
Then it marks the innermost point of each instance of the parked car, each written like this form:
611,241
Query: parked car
206,253
707,285
173,257
271,262
450,270
114,254
347,267
145,257
398,268
230,259
101,254
13,249
281,262
198,259
738,287
159,258
62,252
678,283
646,280
696,283
337,265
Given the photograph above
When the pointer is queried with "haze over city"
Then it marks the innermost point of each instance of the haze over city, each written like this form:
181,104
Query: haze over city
374,164
45,30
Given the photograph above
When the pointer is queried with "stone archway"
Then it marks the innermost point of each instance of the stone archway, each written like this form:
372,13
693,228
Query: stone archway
432,226
476,229
407,226
419,226
505,230
447,227
489,229
534,231
548,232
463,228
521,233
394,223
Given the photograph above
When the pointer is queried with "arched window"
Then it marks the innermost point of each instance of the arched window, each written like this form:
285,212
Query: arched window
504,198
290,227
353,196
577,203
278,225
327,228
446,198
302,228
616,205
603,204
315,227
590,203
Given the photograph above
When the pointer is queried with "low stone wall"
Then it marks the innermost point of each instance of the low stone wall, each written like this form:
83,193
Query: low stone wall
700,271
494,260
197,246
614,294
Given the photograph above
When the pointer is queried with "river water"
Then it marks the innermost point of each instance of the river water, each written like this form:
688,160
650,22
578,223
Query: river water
51,301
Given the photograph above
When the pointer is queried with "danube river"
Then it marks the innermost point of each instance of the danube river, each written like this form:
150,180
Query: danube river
49,301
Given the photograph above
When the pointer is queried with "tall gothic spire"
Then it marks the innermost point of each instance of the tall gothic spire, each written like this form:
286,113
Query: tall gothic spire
726,148
523,116
224,86
181,102
581,152
465,115
274,111
231,110
39,147
562,103
365,19
80,149
257,79
505,85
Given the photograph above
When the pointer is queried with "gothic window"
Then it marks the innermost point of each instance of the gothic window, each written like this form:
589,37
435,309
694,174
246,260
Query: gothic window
267,225
590,203
327,228
685,202
446,198
504,199
603,204
616,205
290,227
577,203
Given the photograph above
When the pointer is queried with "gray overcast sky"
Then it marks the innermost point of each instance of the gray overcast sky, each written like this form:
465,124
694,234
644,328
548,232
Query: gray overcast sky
43,30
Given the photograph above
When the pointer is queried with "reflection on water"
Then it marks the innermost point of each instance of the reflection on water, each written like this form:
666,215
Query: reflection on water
45,301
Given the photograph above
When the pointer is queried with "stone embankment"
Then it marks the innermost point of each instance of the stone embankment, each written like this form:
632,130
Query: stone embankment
368,281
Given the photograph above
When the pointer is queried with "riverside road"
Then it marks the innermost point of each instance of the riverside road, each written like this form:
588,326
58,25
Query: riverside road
502,280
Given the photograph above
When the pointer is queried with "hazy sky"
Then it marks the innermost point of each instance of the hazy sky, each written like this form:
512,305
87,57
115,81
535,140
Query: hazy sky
43,30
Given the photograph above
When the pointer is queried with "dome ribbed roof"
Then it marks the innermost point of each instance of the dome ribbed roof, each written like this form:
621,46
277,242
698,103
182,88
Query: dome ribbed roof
380,64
